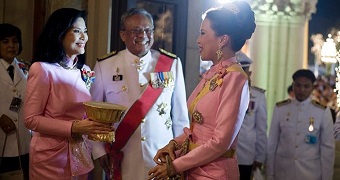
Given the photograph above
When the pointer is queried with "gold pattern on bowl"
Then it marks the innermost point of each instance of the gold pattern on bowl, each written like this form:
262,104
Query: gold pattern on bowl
103,137
104,112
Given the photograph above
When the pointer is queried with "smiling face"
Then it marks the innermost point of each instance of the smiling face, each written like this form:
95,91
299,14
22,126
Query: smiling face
207,41
302,88
75,39
9,48
137,34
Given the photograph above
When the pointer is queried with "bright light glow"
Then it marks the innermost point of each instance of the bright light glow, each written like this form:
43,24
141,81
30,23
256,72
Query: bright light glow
328,51
337,85
224,1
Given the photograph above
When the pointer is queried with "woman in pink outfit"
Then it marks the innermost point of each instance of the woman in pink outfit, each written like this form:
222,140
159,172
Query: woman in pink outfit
58,83
218,104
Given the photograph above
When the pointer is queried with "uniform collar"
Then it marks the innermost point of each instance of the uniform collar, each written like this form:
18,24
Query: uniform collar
139,62
5,63
306,101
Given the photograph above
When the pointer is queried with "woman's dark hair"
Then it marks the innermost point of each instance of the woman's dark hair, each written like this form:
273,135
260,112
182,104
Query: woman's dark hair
235,19
49,47
8,30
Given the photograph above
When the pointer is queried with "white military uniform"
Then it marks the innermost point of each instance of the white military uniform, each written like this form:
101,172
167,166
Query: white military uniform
10,89
336,174
165,120
296,151
252,138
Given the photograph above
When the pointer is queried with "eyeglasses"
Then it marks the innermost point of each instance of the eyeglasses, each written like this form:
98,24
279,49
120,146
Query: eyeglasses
138,31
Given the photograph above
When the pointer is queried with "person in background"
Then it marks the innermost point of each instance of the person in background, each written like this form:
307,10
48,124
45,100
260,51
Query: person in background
300,140
58,84
217,105
252,139
13,78
151,84
336,174
290,92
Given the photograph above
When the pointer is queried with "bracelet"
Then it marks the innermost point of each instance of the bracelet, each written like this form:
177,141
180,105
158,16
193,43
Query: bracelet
177,147
170,169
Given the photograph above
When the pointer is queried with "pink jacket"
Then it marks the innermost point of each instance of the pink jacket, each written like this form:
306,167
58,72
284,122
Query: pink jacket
54,99
223,110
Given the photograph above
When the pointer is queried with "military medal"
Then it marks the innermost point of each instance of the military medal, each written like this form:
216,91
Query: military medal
161,79
215,82
311,122
197,117
117,77
168,123
161,108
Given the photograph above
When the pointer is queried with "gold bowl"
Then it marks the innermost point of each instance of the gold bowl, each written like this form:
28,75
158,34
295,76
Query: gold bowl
104,112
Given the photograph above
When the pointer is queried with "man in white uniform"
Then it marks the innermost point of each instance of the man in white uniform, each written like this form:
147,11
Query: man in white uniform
252,138
123,78
300,140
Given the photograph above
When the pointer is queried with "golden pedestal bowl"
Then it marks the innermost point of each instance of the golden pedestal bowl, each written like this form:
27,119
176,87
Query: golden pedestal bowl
104,112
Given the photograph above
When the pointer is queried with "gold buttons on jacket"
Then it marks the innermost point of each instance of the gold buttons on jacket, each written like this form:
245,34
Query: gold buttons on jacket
143,138
124,88
14,90
143,120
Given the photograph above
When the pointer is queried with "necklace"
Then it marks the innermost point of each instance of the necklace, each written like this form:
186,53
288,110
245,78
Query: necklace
65,66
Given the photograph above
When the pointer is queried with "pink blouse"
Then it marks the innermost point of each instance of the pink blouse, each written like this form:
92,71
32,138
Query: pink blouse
54,98
223,110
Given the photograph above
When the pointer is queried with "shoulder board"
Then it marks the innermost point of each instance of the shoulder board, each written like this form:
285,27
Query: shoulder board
284,102
259,89
318,104
107,56
167,53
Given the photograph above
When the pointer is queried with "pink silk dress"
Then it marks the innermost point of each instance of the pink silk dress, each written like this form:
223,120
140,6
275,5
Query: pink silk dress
223,110
54,98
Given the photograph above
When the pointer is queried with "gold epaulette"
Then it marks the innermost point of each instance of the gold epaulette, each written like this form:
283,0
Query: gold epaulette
284,102
259,89
167,53
107,56
318,104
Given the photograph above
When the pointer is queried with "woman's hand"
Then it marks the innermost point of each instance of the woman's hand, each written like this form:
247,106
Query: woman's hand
158,172
169,149
86,126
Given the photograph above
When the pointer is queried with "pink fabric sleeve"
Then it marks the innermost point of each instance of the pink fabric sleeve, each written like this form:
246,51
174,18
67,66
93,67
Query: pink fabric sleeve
37,94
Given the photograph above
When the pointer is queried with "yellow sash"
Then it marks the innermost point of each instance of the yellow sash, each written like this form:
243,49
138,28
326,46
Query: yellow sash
206,87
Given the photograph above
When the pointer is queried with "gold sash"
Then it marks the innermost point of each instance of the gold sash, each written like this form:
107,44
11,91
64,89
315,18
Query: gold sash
188,144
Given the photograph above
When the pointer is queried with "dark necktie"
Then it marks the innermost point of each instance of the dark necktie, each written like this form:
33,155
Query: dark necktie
10,71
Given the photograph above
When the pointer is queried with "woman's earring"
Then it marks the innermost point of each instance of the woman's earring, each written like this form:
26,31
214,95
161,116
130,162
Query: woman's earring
219,53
